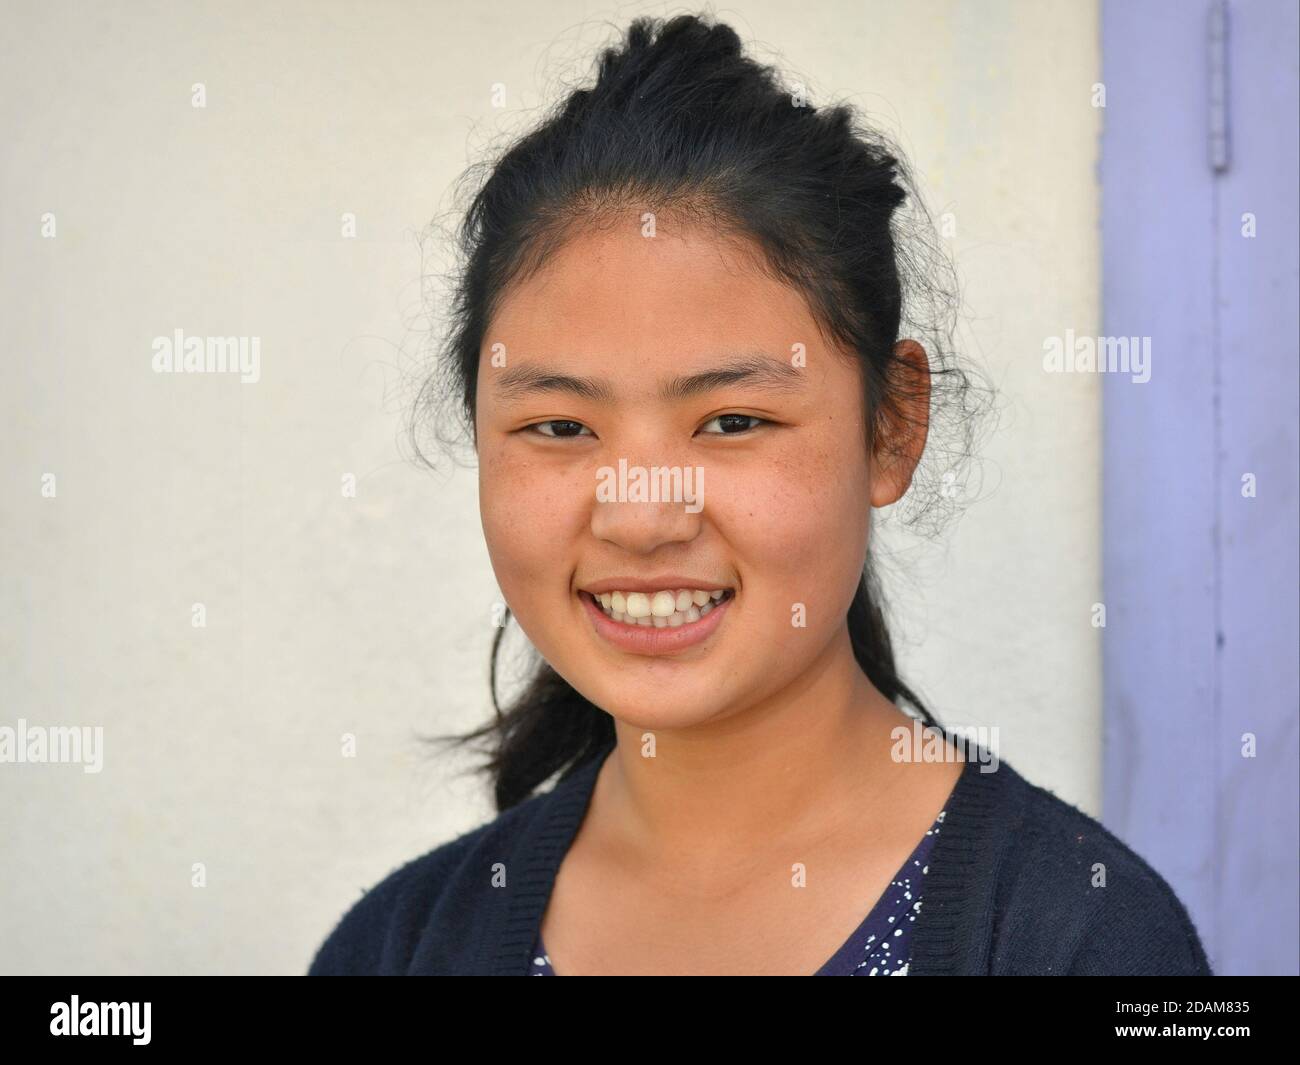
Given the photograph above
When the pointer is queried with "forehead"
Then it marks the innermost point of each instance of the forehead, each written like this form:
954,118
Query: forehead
650,301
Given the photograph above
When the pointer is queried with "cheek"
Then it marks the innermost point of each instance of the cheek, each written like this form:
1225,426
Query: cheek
799,521
529,519
508,505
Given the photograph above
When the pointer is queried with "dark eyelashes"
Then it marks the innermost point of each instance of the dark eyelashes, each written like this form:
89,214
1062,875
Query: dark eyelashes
747,417
569,423
535,428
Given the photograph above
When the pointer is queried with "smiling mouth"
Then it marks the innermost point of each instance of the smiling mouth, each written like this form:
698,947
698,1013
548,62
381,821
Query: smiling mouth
668,609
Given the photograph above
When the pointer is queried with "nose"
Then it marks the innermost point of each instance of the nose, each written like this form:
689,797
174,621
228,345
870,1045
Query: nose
641,508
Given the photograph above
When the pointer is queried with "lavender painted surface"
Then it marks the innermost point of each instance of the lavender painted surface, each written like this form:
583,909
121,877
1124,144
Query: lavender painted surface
1201,583
1259,571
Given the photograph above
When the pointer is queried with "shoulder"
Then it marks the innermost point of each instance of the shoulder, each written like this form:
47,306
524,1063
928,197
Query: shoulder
1073,898
379,933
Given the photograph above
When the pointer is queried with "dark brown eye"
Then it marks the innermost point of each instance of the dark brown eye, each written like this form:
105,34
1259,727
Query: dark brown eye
731,424
560,427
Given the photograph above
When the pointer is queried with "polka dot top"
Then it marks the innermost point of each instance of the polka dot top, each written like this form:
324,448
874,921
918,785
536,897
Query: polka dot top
880,946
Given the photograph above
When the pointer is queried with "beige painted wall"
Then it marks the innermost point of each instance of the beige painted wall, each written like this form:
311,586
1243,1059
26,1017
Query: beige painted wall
371,615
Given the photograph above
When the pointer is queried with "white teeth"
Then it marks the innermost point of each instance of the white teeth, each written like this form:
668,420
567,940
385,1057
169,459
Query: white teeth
663,604
668,609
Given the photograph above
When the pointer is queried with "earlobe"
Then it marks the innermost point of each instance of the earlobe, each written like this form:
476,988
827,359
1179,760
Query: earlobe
885,488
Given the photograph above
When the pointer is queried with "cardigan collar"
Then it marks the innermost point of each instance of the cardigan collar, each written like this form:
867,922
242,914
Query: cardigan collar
953,933
952,937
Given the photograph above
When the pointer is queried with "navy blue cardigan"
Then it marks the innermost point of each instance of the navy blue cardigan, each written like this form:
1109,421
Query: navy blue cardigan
1009,892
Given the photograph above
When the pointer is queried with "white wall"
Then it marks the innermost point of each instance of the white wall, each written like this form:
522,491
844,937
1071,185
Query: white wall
328,615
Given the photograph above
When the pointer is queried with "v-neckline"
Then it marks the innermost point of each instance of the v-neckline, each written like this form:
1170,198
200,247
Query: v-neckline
983,814
846,957
845,960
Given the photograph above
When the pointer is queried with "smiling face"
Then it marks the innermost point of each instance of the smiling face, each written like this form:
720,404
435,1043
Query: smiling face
673,351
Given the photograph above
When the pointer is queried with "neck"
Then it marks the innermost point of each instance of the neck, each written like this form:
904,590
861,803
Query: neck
793,766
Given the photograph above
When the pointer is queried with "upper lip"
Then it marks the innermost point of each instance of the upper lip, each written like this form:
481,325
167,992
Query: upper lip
669,581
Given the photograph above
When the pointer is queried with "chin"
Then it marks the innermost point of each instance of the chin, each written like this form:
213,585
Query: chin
652,709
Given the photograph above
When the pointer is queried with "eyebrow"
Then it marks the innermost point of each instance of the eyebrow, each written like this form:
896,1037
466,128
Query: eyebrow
755,368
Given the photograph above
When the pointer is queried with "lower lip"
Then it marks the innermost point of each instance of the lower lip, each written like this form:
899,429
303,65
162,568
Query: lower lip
646,639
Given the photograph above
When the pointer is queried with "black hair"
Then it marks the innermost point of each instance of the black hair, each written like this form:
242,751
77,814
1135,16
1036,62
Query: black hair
680,119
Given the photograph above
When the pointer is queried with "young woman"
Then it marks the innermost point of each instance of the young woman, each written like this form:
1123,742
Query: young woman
679,350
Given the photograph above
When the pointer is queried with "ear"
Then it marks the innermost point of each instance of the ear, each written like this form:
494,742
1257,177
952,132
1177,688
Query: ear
903,433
